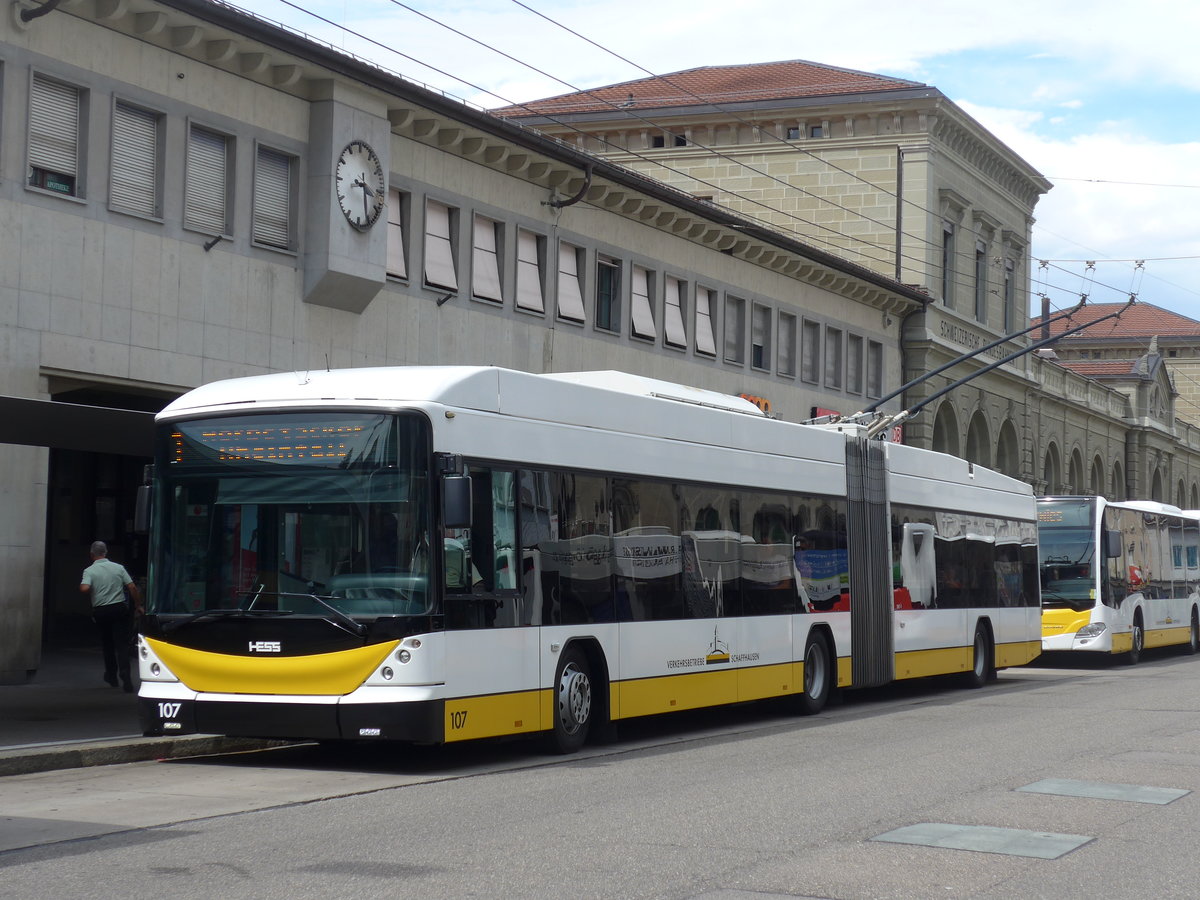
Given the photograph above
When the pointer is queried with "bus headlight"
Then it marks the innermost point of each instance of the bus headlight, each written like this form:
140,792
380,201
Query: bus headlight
387,673
1090,631
403,656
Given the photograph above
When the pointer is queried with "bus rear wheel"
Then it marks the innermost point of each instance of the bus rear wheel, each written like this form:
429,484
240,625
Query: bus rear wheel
981,660
572,702
818,680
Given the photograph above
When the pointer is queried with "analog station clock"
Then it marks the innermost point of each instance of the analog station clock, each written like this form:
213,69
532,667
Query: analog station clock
361,188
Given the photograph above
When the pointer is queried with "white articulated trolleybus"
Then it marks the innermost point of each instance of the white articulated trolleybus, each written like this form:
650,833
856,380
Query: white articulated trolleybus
1118,577
440,554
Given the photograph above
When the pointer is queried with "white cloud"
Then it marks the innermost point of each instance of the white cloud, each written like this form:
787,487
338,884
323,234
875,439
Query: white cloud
1118,197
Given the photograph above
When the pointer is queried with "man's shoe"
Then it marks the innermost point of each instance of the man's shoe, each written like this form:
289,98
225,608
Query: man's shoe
111,679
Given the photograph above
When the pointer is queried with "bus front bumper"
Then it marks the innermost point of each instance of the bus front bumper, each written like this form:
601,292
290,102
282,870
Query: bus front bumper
292,718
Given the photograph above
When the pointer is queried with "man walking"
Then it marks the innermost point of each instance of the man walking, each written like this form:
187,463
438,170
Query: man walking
107,582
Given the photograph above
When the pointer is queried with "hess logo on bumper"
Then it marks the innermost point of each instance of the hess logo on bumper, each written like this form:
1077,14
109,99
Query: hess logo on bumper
265,647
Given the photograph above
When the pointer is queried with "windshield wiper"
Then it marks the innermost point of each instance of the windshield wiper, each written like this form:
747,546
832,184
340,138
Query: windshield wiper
339,619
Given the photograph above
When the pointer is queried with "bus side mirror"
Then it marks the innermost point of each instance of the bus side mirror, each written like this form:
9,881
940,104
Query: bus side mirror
141,508
1112,544
456,501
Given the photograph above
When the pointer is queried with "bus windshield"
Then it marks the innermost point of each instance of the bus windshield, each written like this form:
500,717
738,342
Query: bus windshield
1067,554
293,514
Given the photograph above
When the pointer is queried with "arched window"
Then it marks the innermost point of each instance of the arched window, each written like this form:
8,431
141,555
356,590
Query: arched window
1075,478
1096,485
979,444
1008,451
945,431
1052,470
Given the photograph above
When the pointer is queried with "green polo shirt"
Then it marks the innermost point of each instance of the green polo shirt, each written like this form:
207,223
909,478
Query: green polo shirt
107,580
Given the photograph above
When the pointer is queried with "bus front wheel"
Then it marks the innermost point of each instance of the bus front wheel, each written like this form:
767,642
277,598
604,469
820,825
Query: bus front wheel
572,702
1194,635
1138,640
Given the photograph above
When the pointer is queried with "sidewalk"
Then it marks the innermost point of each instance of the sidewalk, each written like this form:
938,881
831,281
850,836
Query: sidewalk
66,717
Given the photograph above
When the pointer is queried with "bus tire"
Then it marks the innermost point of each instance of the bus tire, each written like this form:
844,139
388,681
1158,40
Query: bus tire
573,704
981,659
818,675
1138,642
1194,633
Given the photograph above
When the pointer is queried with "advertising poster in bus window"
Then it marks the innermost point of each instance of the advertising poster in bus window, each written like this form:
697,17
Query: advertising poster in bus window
824,574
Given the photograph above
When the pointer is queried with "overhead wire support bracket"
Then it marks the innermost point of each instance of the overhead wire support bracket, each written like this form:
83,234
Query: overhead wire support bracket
968,355
882,424
578,195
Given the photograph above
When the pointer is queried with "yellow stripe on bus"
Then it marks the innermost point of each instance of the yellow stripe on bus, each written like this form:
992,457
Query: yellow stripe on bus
1163,637
320,674
943,661
1017,654
651,696
494,715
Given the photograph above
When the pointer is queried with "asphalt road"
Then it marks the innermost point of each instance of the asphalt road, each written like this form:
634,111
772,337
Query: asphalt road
745,803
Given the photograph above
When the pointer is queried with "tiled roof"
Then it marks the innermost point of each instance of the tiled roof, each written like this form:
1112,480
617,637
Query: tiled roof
1098,368
717,85
1140,321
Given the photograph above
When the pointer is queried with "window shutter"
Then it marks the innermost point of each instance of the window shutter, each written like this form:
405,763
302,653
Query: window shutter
529,273
643,315
705,341
134,184
207,179
396,264
673,314
273,199
439,255
570,297
54,127
485,267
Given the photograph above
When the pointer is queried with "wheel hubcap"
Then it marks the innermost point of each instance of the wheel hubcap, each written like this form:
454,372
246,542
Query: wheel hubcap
574,699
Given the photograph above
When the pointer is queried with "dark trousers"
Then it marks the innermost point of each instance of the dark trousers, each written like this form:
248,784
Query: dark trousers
115,626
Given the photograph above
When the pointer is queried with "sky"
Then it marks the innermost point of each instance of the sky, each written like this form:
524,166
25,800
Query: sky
1102,98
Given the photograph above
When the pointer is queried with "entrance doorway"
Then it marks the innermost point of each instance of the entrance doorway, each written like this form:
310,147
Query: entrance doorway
91,496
